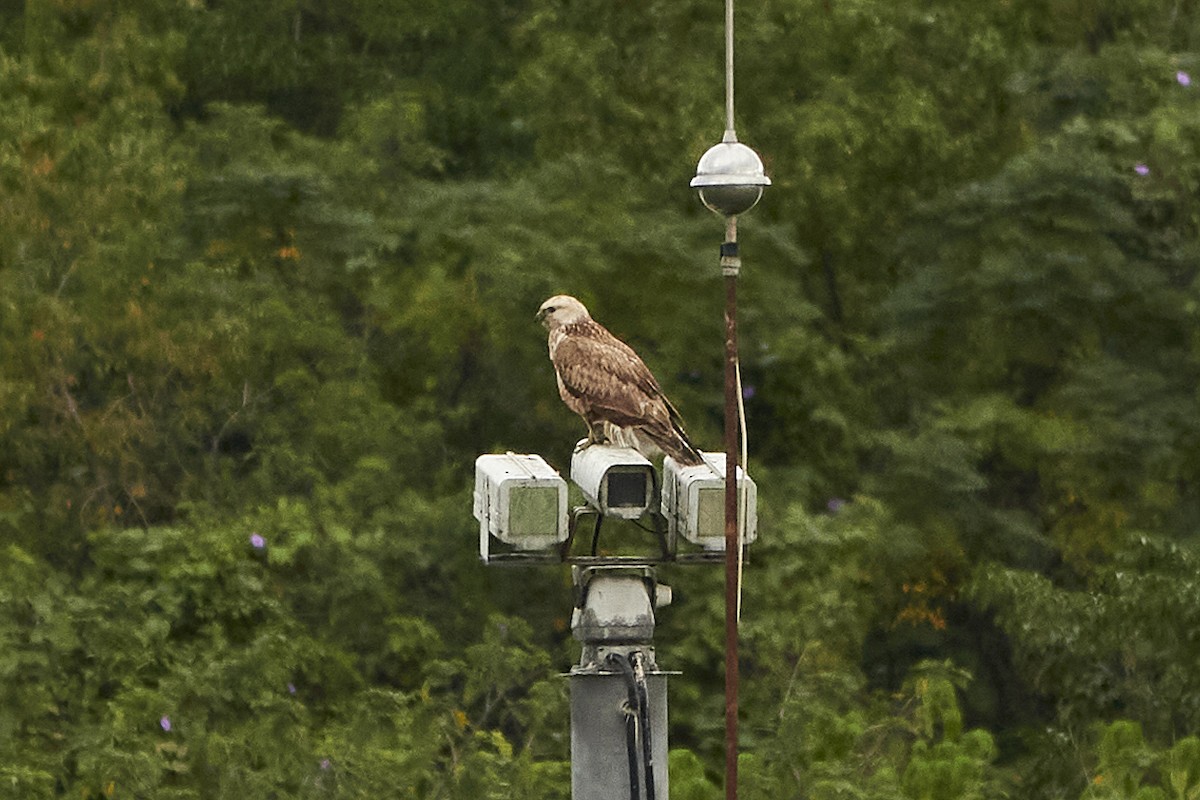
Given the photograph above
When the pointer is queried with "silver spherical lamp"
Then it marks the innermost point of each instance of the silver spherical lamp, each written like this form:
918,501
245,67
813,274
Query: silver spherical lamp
730,178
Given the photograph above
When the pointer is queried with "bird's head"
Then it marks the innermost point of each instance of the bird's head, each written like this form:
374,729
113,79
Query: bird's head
561,310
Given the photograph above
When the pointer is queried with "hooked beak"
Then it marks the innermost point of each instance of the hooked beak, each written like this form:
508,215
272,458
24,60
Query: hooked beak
541,315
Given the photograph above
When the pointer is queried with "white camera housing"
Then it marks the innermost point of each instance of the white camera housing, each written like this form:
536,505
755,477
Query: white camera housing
693,502
520,500
616,481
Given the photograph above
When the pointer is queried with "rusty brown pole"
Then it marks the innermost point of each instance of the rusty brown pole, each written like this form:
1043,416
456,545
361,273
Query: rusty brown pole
730,264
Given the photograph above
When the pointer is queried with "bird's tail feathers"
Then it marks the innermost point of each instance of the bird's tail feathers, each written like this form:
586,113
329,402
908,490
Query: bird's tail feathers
676,444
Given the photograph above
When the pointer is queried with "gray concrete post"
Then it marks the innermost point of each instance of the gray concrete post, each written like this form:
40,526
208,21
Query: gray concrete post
618,694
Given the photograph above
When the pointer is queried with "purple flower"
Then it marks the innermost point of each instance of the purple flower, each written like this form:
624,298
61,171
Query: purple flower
1183,78
835,505
291,688
325,763
1141,169
748,391
165,723
257,542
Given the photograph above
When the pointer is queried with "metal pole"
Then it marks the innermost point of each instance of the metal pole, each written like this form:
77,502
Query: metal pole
730,264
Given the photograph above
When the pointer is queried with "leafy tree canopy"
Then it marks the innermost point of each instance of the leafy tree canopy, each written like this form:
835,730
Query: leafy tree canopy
267,278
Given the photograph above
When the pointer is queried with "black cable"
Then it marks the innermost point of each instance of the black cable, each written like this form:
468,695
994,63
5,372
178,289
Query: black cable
631,722
643,706
658,531
596,532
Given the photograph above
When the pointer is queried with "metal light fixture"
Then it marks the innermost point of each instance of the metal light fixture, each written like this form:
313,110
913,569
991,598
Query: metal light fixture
693,502
520,500
730,177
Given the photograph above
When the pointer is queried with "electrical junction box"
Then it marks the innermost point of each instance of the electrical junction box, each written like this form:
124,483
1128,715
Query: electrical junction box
520,500
693,502
616,481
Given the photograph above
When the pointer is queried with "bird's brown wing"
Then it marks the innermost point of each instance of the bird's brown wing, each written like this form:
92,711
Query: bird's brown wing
607,375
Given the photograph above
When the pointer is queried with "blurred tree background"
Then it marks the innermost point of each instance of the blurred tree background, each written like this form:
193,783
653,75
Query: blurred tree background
267,277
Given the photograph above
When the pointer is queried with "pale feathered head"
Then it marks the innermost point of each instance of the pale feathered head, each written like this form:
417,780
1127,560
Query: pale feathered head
561,310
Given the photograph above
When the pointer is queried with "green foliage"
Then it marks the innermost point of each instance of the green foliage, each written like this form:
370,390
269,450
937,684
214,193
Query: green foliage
267,273
180,663
1117,646
955,769
1180,769
1129,767
688,778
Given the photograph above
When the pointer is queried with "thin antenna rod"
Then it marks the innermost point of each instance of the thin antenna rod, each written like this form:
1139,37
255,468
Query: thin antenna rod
730,136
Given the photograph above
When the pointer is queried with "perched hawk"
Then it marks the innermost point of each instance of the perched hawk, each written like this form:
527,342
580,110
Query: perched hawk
601,379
